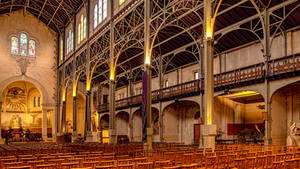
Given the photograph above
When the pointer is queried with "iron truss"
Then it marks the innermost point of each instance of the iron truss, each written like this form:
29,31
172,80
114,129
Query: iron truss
176,36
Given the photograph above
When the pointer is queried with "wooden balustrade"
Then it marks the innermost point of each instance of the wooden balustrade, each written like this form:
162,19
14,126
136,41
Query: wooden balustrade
249,73
284,65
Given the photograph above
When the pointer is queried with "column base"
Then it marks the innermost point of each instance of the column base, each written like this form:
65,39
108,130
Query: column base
74,137
113,137
268,142
148,145
45,138
209,136
2,141
89,137
99,136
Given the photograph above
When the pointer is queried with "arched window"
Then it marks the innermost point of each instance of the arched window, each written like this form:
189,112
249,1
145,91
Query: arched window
104,9
23,44
31,50
34,101
61,49
82,29
39,102
14,45
101,13
121,2
95,15
78,38
70,41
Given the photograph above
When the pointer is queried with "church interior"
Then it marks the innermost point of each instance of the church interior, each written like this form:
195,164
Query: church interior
144,84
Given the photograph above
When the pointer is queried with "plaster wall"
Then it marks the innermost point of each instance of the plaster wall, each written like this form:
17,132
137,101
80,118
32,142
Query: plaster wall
42,67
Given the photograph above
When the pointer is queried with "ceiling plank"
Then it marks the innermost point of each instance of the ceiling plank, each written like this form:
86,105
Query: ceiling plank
55,12
42,9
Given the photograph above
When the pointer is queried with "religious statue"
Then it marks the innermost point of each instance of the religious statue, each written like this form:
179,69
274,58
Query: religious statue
294,133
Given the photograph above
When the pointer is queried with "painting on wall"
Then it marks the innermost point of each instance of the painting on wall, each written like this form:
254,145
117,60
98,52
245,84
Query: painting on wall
21,107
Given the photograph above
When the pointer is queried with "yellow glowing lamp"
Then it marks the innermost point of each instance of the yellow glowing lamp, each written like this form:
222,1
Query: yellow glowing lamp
74,92
147,60
88,86
63,97
112,77
209,34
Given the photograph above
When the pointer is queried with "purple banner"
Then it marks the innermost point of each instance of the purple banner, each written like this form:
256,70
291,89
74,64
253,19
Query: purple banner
143,107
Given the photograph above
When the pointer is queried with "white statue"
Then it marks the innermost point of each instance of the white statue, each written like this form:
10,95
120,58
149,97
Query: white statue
294,133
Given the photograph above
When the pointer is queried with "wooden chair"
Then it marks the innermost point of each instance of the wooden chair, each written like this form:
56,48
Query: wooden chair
125,166
278,164
105,167
46,166
11,164
69,165
161,164
191,166
21,167
90,163
146,165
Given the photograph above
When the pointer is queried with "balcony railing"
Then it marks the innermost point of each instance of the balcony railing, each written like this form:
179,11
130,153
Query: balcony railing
249,73
284,65
240,75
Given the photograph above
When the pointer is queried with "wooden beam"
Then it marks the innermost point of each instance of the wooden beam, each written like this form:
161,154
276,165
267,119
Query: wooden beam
55,12
44,4
11,6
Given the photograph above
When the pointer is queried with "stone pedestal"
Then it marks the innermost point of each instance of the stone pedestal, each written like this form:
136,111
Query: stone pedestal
89,137
112,136
148,144
209,135
74,137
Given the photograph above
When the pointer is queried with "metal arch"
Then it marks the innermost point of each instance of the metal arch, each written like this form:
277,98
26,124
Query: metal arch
90,76
125,112
114,65
65,87
76,79
163,25
249,30
282,21
175,54
261,20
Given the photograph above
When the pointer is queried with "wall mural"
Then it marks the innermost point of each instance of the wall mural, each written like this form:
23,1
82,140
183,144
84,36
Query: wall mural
21,107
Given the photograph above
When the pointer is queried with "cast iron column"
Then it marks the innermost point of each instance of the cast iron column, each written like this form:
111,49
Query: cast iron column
63,117
89,136
209,130
148,64
74,134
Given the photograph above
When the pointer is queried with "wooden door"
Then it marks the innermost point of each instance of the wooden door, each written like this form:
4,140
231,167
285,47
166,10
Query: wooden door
196,134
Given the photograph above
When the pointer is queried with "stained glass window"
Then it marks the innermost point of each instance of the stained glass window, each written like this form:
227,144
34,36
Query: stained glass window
84,28
23,44
31,50
81,33
34,102
14,45
62,49
70,41
121,2
78,38
100,11
104,9
95,16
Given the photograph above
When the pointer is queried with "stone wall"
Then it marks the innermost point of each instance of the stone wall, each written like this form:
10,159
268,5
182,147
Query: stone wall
39,70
